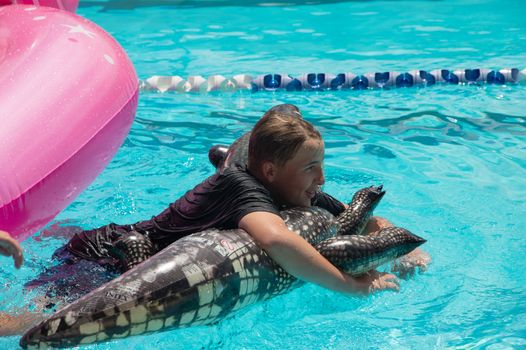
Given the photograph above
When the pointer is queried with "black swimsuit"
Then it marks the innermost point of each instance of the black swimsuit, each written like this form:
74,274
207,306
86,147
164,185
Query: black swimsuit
220,201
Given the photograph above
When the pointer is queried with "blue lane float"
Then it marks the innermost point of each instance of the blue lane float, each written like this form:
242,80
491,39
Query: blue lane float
340,81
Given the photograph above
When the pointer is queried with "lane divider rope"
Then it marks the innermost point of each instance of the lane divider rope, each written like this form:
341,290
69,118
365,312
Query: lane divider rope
327,81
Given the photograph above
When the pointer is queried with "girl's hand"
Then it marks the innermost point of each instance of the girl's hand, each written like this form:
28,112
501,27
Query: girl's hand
407,265
374,281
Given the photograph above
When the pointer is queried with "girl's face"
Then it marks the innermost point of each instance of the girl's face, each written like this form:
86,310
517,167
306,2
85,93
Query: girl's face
296,182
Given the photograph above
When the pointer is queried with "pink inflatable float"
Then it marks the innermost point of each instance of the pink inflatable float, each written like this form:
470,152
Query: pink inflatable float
68,96
68,5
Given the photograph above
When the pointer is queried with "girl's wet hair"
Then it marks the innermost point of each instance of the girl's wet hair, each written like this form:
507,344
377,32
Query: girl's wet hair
278,135
285,109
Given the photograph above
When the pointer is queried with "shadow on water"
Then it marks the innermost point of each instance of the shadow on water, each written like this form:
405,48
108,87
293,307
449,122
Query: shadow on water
491,123
127,5
429,128
195,136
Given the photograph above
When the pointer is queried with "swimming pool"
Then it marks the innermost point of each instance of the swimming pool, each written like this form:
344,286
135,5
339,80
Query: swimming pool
452,159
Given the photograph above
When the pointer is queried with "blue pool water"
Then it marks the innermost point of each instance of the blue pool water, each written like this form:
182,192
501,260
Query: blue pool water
452,159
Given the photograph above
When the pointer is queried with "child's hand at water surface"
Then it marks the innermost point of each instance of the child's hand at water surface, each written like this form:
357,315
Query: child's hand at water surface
10,247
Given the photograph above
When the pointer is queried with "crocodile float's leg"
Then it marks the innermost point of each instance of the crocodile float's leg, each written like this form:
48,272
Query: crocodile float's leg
131,250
